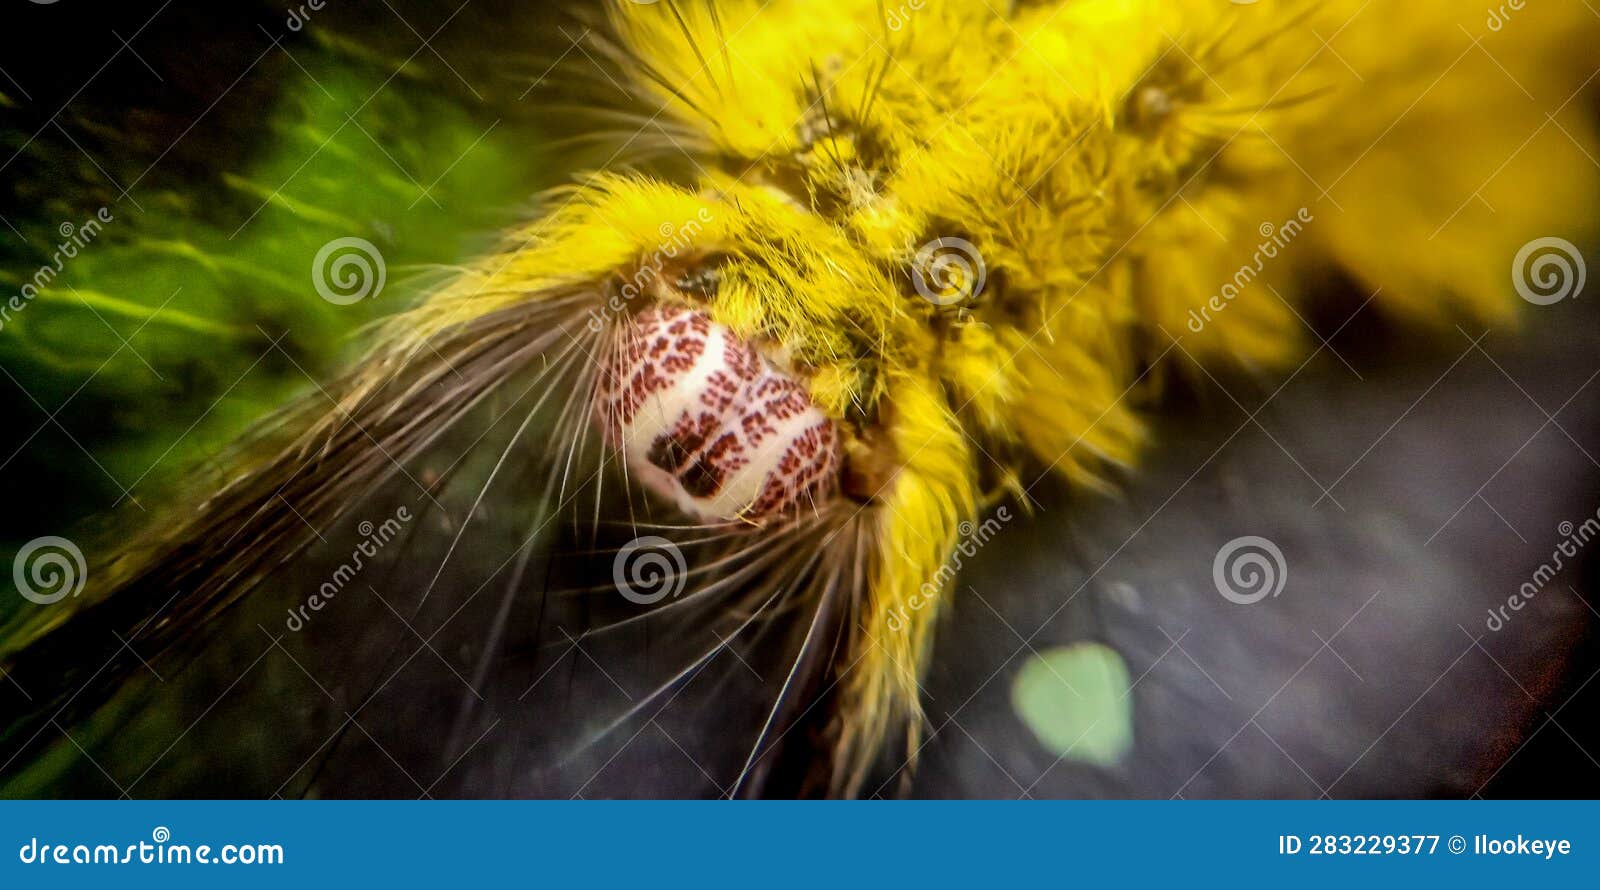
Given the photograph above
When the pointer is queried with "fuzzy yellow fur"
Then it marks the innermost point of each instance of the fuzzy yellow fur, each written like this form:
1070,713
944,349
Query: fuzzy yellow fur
1114,162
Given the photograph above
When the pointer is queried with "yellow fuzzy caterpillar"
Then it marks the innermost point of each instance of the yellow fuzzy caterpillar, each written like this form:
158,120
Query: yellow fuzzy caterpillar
1113,165
977,232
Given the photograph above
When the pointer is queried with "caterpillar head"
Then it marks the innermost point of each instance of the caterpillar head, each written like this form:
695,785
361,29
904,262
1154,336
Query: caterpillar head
744,345
704,419
782,332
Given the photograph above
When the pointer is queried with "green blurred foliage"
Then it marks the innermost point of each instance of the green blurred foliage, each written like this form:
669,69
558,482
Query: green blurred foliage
193,312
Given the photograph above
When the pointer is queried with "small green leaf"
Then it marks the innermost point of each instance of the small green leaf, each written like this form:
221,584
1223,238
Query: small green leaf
1075,700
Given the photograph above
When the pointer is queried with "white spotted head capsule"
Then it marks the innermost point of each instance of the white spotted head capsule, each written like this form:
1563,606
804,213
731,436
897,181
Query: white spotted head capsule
704,420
